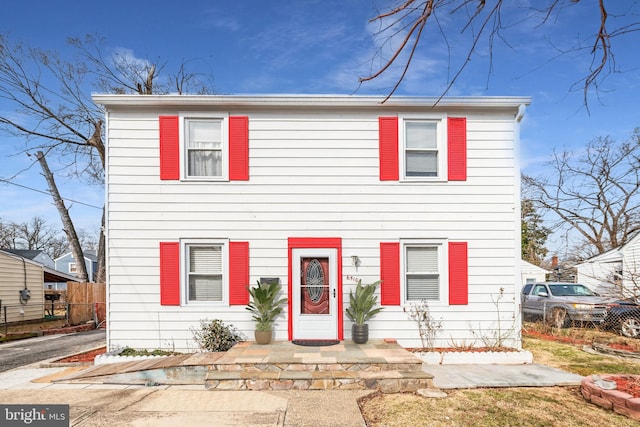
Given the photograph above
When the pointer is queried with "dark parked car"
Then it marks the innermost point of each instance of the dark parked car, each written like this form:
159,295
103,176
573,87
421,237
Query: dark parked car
623,317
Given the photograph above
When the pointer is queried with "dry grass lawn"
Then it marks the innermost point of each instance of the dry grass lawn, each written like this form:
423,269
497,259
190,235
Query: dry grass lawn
544,406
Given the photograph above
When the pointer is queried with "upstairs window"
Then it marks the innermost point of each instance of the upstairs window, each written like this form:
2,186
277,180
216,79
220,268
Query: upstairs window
204,148
199,146
421,148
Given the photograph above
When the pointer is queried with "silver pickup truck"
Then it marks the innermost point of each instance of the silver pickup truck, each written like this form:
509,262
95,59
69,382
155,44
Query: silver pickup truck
559,304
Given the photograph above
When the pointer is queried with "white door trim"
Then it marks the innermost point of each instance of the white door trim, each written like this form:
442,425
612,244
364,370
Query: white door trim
315,326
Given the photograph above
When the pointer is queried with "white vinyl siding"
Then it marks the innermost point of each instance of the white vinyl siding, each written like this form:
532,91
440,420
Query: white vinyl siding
204,274
314,172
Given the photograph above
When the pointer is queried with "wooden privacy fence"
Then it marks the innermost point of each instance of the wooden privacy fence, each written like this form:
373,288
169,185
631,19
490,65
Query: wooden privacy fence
82,300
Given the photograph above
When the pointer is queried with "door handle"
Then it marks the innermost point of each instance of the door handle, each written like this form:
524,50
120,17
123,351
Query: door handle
334,293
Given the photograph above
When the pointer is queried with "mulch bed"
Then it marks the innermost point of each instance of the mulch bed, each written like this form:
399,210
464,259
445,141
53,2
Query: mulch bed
87,356
628,384
568,340
462,350
548,337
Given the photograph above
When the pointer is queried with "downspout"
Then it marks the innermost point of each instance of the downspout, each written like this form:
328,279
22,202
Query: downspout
517,302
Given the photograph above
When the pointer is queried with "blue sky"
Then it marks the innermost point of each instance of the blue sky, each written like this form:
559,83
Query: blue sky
323,46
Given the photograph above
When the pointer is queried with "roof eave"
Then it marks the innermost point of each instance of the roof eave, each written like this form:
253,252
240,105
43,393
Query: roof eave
110,100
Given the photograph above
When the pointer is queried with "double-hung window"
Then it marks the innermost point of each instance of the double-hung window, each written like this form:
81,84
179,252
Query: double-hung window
204,148
421,148
423,271
198,146
205,272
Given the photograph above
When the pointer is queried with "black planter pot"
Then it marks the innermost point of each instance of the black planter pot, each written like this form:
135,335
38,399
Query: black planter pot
360,333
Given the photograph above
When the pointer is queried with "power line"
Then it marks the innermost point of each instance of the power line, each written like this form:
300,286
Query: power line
48,194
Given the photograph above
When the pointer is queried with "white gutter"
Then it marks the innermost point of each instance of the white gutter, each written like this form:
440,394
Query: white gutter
296,100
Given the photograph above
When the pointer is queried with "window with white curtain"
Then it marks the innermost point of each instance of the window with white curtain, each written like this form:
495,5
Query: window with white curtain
205,272
204,147
421,148
422,264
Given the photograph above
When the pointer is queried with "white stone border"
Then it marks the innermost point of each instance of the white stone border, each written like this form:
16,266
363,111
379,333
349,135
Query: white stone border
476,358
113,356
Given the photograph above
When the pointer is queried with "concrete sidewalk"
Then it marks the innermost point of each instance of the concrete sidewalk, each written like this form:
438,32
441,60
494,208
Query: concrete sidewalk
188,405
487,376
136,405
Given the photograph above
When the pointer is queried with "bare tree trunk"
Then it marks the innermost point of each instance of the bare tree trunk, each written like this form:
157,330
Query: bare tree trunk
69,229
101,274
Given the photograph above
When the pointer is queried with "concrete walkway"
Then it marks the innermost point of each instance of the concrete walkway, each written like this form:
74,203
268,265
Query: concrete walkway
475,376
136,405
186,401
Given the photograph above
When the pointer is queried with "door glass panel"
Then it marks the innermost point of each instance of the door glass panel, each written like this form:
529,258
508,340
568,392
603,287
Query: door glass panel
314,286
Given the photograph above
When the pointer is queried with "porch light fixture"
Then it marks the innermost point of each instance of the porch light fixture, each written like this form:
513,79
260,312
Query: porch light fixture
355,261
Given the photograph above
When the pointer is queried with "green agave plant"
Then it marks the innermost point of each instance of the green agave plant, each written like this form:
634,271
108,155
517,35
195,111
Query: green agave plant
362,303
264,304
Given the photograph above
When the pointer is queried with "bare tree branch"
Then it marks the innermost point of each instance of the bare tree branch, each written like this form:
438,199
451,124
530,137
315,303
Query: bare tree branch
595,193
410,18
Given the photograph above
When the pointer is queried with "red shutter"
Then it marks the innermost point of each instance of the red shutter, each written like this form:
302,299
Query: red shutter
457,148
238,273
238,148
169,148
390,273
458,274
169,273
388,140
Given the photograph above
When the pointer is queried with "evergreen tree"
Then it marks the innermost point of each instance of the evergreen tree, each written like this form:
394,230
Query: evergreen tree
534,234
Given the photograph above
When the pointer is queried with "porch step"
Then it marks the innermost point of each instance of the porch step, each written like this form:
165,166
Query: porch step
386,380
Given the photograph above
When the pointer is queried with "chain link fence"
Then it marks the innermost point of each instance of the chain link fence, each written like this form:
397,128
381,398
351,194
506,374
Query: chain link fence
621,317
33,317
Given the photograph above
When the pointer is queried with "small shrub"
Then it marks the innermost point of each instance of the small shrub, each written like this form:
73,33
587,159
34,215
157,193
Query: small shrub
428,326
495,340
128,351
216,336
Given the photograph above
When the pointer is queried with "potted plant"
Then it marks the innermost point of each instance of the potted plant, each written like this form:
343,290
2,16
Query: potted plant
361,308
265,308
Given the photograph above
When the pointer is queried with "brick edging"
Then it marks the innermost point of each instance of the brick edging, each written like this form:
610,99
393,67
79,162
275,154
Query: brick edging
70,329
616,400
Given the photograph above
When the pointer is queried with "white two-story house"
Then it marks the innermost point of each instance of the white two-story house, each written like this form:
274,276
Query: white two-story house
208,194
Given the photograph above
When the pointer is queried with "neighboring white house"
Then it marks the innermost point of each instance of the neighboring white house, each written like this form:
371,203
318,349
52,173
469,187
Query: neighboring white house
531,273
615,272
209,194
